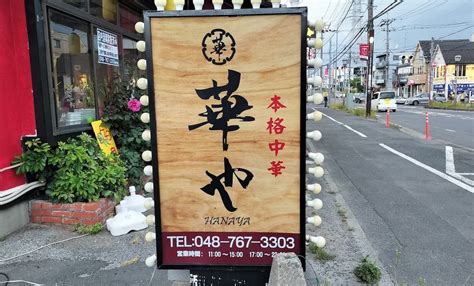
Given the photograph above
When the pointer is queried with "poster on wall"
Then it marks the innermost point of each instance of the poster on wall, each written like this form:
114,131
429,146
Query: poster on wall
228,135
107,48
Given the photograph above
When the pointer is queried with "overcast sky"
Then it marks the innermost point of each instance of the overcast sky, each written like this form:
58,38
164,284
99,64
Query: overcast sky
414,20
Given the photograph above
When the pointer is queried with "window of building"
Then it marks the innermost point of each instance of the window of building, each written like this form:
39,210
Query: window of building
105,9
81,4
72,72
128,18
460,70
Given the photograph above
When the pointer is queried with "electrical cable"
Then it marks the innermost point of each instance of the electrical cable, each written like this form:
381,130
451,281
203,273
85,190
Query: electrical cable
41,247
21,281
455,32
152,276
6,276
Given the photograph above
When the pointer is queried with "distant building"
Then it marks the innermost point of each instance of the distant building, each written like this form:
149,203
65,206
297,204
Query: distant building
453,67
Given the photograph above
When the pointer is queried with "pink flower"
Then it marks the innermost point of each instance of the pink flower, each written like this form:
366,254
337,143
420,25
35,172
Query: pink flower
134,105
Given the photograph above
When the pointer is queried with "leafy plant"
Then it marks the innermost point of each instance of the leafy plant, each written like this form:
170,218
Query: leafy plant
320,253
34,159
88,229
126,127
76,170
367,271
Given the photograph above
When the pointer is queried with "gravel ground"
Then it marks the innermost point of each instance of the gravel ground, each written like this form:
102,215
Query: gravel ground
344,237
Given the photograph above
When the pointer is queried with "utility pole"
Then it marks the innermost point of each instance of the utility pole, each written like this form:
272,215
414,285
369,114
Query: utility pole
387,23
330,70
370,40
430,71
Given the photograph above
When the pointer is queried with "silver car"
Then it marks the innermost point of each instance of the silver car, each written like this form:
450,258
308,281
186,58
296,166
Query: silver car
422,98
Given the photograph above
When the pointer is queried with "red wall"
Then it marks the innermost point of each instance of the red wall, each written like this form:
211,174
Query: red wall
17,117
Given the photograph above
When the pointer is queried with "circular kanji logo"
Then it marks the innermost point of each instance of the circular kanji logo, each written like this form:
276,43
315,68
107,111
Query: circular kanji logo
218,47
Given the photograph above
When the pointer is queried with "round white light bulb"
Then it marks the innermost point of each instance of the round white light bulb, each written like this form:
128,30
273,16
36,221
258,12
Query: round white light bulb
316,116
149,187
140,46
318,43
307,237
160,5
140,27
317,204
144,100
315,135
318,62
150,219
311,22
237,3
318,172
148,170
198,4
150,236
315,188
217,4
149,203
317,157
315,220
179,4
150,261
256,3
145,117
318,98
311,42
318,240
141,64
142,83
146,135
146,156
319,25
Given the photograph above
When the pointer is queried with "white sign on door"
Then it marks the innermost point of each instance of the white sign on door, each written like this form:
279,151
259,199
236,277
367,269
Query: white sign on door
107,48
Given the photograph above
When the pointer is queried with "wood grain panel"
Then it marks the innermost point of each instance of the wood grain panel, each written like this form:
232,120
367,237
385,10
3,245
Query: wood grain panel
268,53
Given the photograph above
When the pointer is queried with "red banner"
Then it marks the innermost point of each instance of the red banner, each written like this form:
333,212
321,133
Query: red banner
364,51
226,248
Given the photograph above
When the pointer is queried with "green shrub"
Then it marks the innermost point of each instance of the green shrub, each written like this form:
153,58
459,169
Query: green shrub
337,106
126,127
367,271
452,105
76,171
320,253
88,229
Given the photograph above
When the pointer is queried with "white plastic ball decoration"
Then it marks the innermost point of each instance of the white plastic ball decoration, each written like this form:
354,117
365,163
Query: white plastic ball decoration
311,43
150,219
141,64
217,4
256,4
149,203
148,170
318,43
318,98
315,188
145,117
150,261
146,156
317,204
311,22
315,220
150,236
318,172
149,187
315,135
144,100
307,237
317,157
146,135
140,27
160,5
319,25
318,240
318,62
316,81
142,83
140,45
311,62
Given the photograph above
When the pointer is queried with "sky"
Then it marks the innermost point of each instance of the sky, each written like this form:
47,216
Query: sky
414,20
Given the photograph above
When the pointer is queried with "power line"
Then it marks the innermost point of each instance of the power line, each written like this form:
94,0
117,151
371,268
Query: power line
455,32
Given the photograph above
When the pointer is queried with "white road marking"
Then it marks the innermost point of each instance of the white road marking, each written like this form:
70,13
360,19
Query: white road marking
450,130
355,131
466,174
451,169
347,126
430,169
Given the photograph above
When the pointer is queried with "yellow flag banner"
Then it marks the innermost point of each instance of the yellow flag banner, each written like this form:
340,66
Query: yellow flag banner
104,138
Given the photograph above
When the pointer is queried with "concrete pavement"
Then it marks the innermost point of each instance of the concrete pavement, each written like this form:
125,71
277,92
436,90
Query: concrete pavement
400,205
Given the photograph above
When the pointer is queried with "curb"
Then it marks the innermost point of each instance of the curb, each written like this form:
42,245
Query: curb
448,108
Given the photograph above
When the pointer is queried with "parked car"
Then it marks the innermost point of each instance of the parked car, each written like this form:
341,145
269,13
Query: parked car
422,98
439,98
359,98
400,100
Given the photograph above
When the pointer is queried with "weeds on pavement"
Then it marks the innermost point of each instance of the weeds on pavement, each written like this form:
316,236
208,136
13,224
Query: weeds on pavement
320,253
367,271
88,229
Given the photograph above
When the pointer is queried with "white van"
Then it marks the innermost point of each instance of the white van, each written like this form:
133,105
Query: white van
383,101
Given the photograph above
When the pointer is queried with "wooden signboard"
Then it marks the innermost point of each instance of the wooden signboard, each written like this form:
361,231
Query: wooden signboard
228,125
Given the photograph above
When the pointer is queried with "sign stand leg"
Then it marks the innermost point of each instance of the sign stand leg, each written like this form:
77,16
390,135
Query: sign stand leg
229,277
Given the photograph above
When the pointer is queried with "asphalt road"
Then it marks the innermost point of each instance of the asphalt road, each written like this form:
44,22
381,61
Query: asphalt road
402,197
455,127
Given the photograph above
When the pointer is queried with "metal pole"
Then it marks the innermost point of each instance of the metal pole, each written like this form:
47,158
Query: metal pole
430,70
330,70
370,33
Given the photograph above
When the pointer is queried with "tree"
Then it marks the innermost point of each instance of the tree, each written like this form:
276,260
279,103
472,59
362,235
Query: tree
356,84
